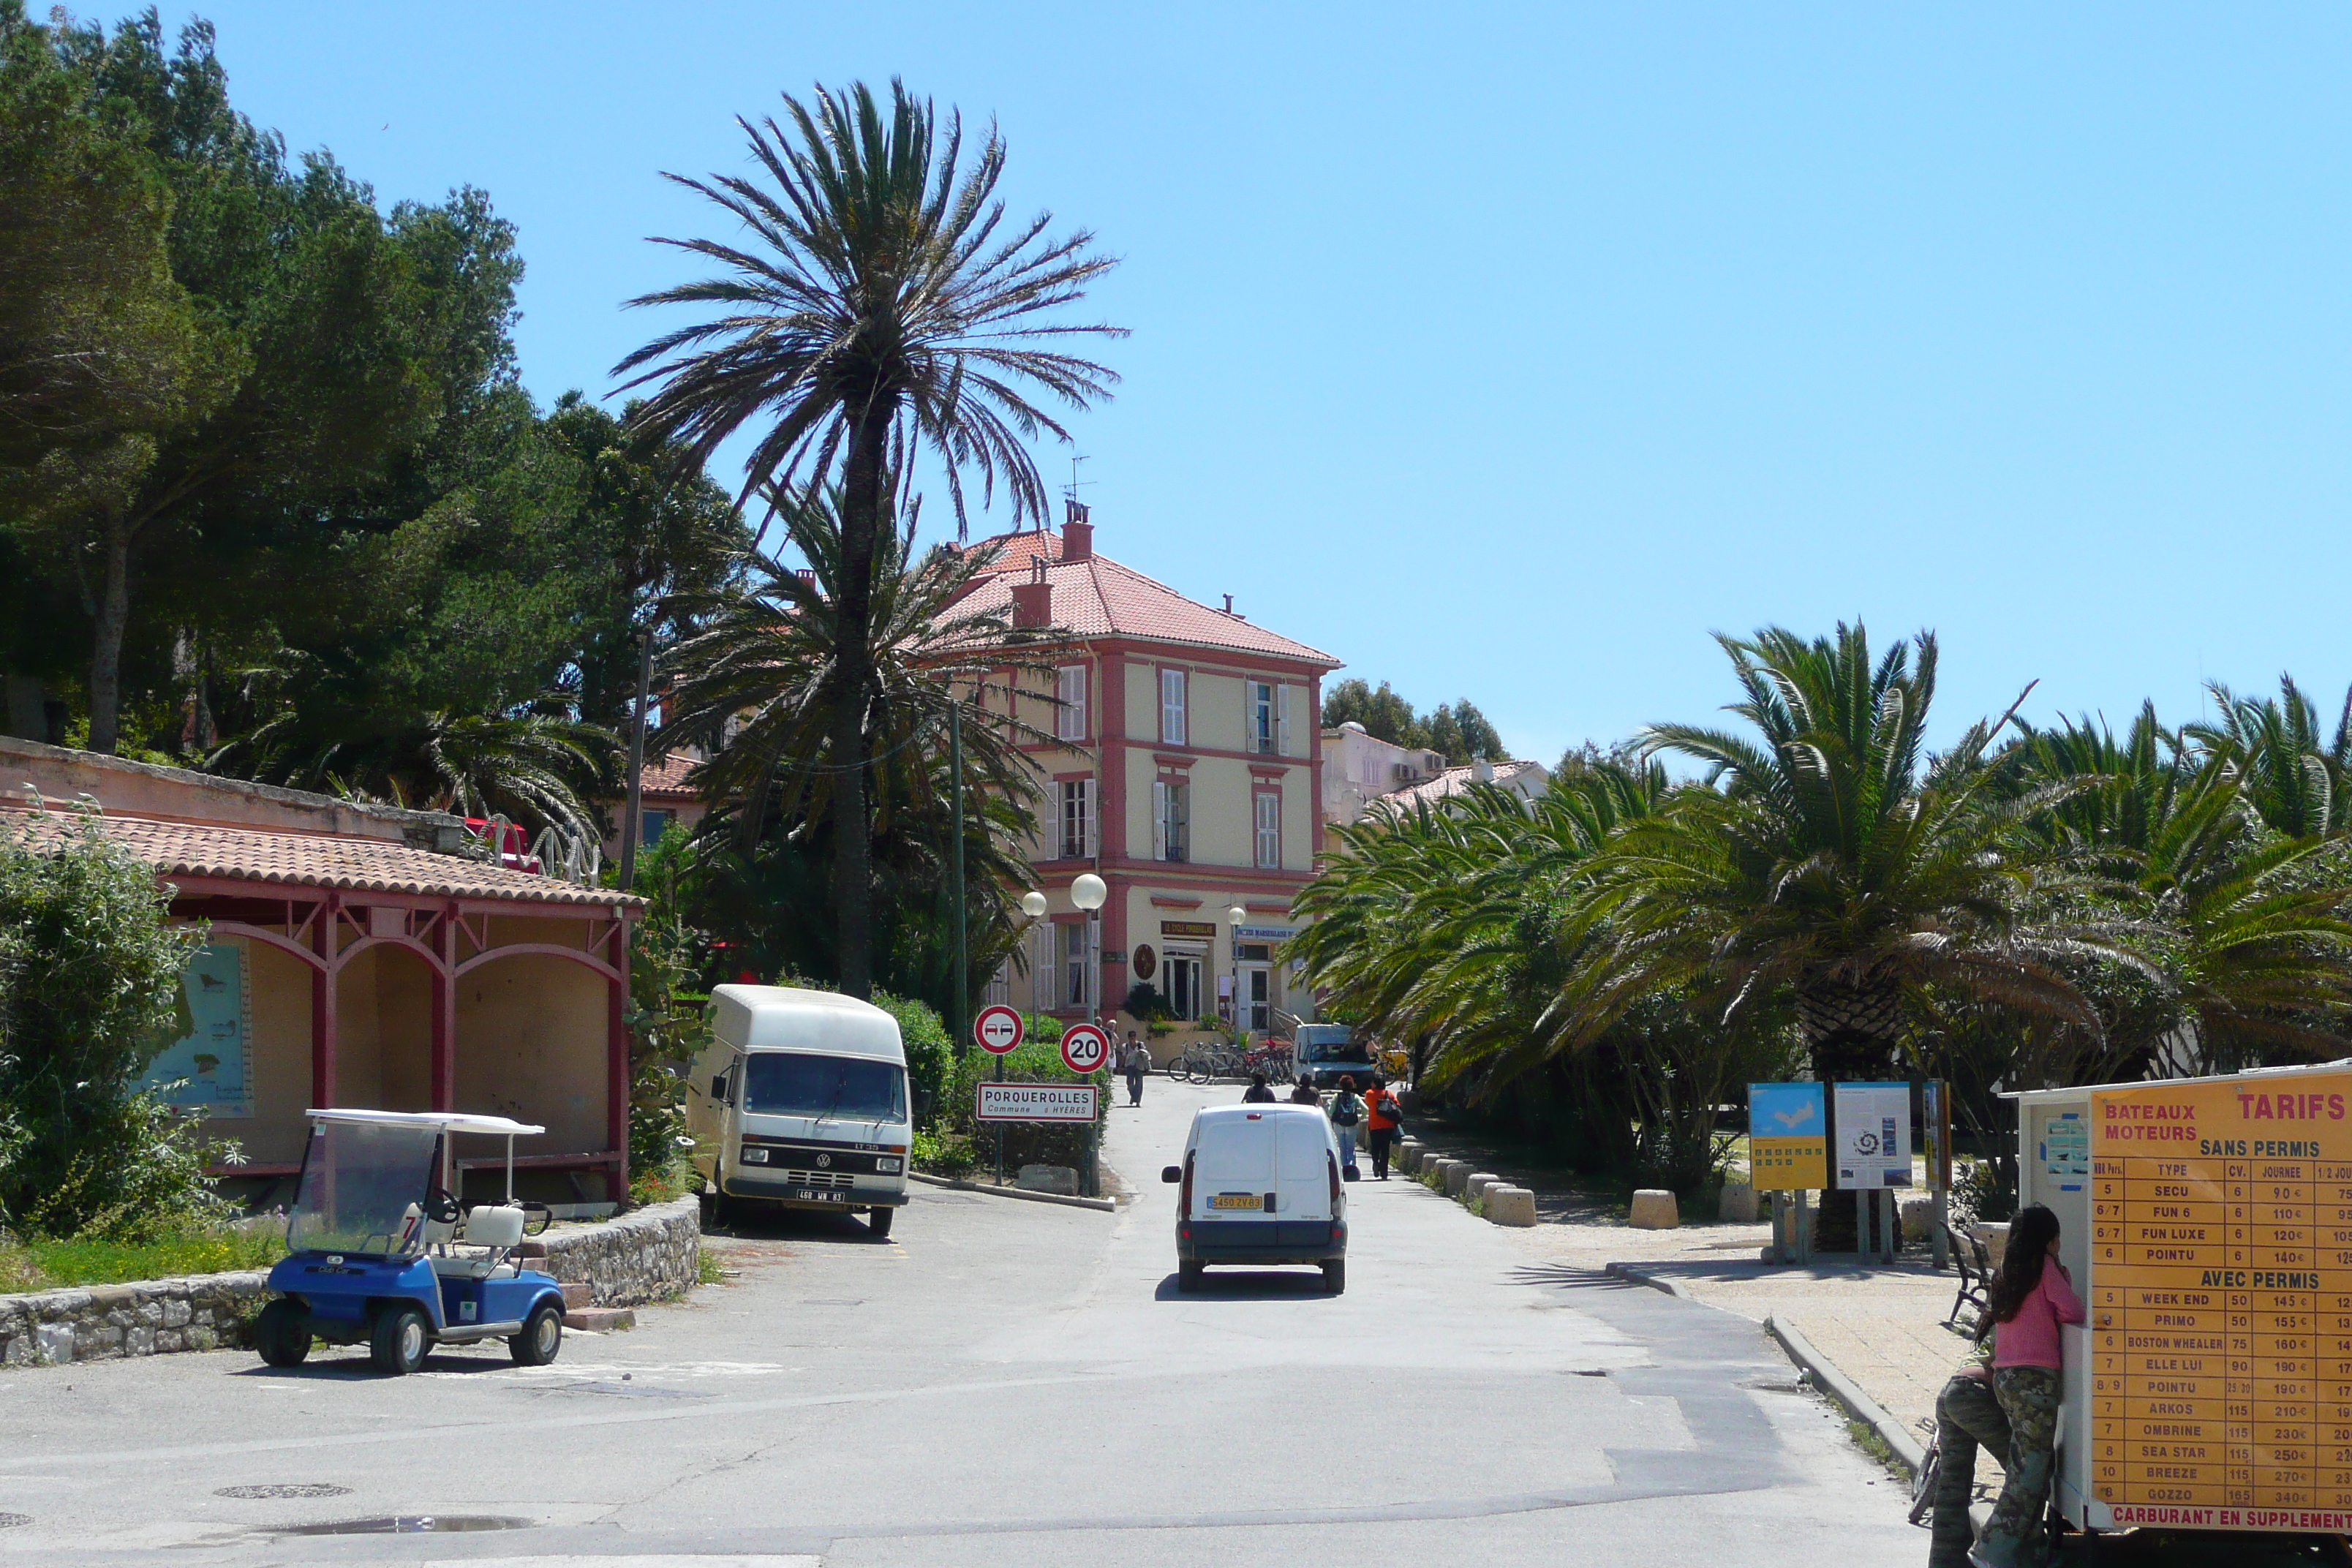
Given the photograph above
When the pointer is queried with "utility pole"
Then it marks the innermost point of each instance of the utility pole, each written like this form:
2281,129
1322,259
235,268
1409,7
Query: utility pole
961,1023
633,828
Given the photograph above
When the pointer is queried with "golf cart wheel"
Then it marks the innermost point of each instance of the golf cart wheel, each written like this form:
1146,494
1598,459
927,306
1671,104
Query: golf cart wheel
878,1221
1335,1276
1188,1275
281,1335
542,1337
401,1339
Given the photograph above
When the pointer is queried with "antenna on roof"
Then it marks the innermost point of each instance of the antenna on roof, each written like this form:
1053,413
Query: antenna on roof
1073,509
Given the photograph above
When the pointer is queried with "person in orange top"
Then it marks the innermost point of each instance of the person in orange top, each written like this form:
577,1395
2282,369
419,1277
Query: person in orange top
1382,1120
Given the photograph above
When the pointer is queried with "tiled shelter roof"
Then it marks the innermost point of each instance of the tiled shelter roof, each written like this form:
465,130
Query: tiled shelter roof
1099,598
667,776
307,860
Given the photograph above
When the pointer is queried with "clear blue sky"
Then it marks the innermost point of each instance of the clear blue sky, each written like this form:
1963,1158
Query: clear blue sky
1507,352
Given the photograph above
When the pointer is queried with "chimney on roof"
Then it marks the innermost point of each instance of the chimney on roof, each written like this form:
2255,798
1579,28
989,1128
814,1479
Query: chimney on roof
1032,602
1077,533
1483,771
806,575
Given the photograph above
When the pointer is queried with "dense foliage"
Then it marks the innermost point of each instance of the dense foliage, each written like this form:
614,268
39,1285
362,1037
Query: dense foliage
90,992
2029,907
1456,730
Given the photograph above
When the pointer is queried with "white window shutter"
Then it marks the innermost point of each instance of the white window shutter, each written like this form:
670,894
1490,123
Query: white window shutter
1282,719
1071,719
1094,832
1158,819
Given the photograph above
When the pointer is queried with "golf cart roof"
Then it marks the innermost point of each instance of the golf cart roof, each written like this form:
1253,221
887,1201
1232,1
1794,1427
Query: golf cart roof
447,1120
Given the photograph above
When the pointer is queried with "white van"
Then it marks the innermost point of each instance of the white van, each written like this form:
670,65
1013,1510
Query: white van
1260,1185
801,1099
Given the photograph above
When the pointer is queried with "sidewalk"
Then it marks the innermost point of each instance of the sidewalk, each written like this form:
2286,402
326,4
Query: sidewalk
1881,1327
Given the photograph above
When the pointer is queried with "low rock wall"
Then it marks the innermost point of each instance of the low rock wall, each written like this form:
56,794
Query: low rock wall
637,1258
626,1262
146,1317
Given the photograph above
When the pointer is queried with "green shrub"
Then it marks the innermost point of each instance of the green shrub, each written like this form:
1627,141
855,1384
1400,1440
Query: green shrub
1037,1060
90,991
928,1051
40,1265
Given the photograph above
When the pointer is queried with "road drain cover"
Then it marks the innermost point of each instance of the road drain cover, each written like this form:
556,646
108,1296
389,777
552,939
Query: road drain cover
11,1520
411,1524
285,1488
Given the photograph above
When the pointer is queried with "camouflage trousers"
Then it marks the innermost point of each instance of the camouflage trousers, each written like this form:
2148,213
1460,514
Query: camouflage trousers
1968,1415
2029,1397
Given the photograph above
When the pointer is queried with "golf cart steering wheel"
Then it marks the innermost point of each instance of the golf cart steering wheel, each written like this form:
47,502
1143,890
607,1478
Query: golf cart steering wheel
440,1207
536,1218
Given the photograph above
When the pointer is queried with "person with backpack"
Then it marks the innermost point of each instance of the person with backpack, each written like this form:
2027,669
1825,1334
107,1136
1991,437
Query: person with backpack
1382,1119
1345,1111
2030,1296
1303,1093
1258,1093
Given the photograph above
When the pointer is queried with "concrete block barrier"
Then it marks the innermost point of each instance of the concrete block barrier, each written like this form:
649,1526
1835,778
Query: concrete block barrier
1408,1155
1478,1184
1737,1206
1511,1205
1457,1177
1655,1209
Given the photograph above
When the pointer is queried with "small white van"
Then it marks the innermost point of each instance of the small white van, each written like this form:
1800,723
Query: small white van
801,1099
1260,1185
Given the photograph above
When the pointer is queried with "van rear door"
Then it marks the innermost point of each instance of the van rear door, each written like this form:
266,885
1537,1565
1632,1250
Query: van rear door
1233,1170
1303,1166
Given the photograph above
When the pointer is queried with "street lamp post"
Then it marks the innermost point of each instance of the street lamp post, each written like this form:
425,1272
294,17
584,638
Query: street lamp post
1088,892
1032,905
1240,1028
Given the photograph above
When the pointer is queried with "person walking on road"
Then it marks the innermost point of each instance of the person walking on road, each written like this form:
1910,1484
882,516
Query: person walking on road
1258,1093
1345,1111
1303,1093
1967,1417
2030,1296
1135,1061
1382,1120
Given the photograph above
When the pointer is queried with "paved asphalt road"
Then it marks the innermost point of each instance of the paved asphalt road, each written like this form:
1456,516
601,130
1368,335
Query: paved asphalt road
1006,1384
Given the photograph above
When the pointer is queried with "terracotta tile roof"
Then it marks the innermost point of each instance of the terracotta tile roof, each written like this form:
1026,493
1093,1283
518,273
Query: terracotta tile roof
1099,598
307,860
1435,792
667,776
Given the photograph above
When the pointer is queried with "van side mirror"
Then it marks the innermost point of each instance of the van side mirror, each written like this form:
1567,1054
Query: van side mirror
1171,1173
719,1089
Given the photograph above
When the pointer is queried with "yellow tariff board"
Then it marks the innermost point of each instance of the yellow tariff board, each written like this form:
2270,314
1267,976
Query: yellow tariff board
2221,1302
1788,1138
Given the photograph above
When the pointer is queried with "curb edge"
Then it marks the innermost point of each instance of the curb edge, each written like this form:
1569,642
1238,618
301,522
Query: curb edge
1104,1205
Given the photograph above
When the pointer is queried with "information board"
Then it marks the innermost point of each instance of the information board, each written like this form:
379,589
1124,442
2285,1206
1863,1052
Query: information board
1874,1136
209,1064
2221,1302
1788,1138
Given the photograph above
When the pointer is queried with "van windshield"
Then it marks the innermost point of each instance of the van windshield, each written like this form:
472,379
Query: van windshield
783,1083
1329,1043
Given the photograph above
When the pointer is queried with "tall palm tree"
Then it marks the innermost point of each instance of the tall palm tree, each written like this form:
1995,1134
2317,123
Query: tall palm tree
763,676
2298,780
880,295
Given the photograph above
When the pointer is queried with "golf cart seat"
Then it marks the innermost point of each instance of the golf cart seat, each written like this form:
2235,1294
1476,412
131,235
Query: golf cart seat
497,1227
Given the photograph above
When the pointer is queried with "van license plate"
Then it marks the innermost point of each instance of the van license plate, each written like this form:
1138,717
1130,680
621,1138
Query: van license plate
1237,1201
816,1196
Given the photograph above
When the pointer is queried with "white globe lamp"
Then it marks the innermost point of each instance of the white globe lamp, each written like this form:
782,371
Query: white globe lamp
1088,892
1033,904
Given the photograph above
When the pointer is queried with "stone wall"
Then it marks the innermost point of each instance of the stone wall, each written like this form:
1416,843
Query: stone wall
637,1258
148,1317
626,1262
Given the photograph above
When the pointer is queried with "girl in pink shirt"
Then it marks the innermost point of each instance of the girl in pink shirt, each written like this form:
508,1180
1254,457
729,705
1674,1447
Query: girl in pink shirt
2029,1298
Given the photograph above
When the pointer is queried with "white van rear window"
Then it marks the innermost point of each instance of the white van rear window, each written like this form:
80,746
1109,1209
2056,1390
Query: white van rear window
1234,1154
1301,1149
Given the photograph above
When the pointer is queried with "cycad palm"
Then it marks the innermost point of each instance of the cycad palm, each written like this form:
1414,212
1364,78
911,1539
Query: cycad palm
880,295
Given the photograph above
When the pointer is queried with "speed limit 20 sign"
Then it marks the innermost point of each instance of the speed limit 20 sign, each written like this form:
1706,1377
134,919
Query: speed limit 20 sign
998,1029
1085,1047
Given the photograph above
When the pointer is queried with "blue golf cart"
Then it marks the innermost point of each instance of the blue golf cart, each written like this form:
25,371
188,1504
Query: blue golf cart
383,1253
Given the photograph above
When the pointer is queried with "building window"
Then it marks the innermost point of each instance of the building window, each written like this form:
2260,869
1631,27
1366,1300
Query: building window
1262,717
1070,718
1269,832
1076,968
1183,986
1171,821
1077,818
1172,708
999,990
654,824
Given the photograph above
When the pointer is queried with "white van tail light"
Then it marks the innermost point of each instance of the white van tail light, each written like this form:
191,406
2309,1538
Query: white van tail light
1332,1164
1184,1192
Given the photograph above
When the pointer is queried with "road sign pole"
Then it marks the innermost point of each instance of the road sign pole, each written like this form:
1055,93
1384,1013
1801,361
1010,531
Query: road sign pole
962,962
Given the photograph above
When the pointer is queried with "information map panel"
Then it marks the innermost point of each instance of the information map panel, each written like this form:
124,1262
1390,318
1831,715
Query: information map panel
2221,1302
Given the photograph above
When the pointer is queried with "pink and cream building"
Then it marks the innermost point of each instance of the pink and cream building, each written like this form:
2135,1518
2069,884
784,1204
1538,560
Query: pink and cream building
1186,772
